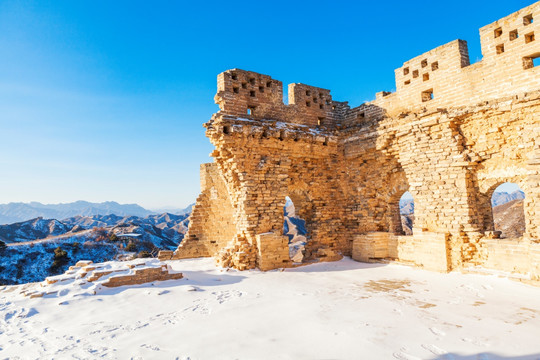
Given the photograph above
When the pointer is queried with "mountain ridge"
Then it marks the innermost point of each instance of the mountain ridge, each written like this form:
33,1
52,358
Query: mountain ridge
18,211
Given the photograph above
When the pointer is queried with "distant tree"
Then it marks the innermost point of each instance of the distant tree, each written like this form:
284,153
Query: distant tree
60,258
113,237
100,233
131,247
75,246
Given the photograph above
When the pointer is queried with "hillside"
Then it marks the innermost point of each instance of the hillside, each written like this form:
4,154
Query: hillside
30,251
510,219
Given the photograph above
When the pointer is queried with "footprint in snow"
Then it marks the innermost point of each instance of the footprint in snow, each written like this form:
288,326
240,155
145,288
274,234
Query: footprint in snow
404,356
437,332
227,295
435,350
151,347
198,307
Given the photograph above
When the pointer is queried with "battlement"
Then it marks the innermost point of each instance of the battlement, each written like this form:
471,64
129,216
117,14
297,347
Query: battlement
440,78
444,77
513,34
256,96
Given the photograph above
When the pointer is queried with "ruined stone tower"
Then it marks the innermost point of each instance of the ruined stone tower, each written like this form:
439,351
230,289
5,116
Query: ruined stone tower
450,134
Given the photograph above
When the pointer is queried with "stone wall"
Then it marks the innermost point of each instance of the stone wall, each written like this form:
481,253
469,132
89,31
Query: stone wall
346,169
210,223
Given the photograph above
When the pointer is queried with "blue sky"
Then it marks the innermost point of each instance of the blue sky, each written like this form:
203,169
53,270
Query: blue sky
103,100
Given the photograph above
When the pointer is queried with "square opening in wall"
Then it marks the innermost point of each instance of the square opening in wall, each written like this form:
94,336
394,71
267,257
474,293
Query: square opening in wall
527,20
361,115
320,121
406,71
244,85
407,82
251,110
308,93
529,38
252,93
235,90
425,77
415,74
308,103
513,35
499,49
424,63
531,61
427,95
435,65
252,81
498,32
234,77
261,89
268,84
321,106
315,100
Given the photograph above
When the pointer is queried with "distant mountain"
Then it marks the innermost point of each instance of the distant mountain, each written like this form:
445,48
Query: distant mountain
18,212
406,206
500,198
174,210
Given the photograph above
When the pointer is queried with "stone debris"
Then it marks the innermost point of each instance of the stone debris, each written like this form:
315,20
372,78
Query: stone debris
88,278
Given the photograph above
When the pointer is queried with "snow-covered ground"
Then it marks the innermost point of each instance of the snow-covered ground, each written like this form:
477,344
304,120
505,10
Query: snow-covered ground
341,310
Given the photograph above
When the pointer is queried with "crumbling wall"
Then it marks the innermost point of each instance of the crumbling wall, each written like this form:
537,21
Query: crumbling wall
211,224
449,135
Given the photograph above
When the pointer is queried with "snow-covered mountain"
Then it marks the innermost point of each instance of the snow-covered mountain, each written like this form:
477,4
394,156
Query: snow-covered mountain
32,247
17,212
32,229
164,230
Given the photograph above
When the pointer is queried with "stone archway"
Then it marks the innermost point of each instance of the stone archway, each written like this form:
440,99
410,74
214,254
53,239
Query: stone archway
487,189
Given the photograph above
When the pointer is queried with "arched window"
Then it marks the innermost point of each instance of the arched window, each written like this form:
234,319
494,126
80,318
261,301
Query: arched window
507,208
406,212
295,228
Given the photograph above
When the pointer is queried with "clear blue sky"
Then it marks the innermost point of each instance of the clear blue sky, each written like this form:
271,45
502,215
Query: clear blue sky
105,100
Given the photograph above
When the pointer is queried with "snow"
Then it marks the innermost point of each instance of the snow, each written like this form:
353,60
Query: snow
340,310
